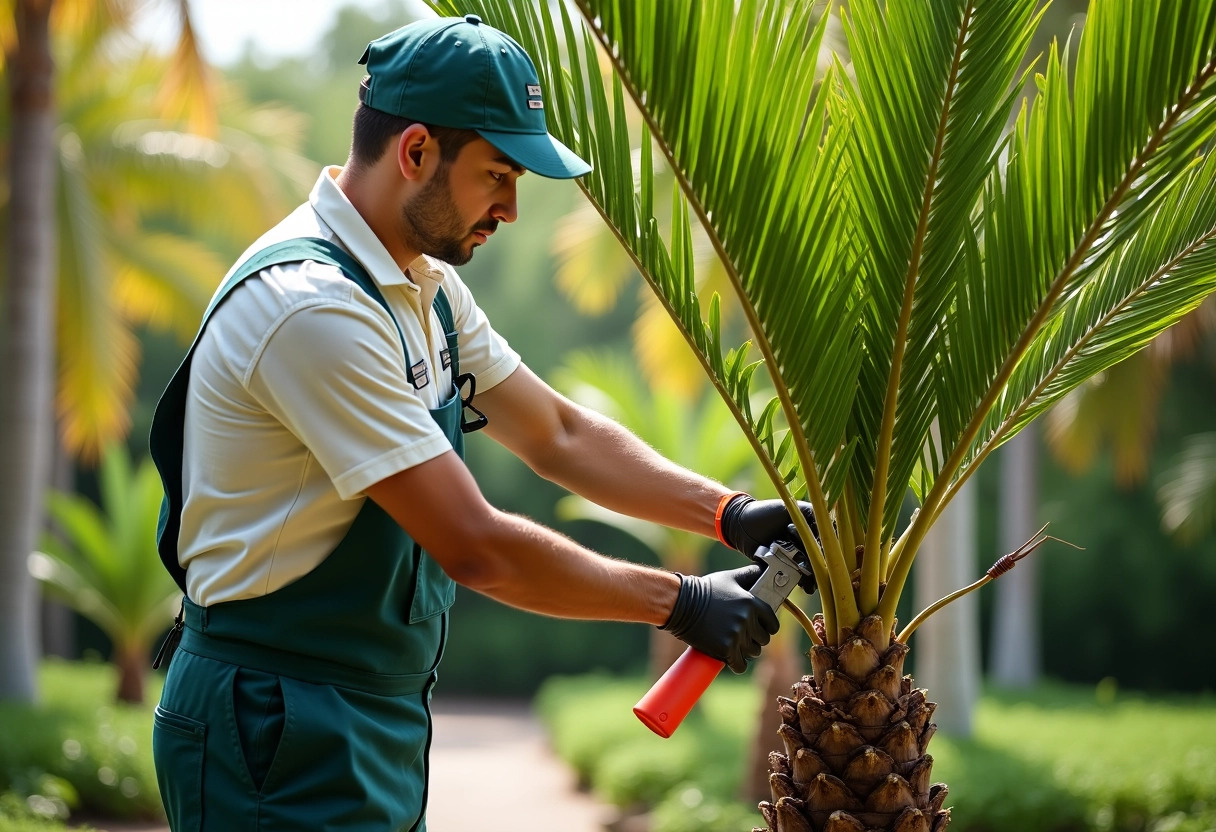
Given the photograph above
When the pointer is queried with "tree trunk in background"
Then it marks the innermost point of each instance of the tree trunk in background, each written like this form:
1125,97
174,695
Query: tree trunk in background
27,352
1015,622
58,620
778,668
130,661
946,648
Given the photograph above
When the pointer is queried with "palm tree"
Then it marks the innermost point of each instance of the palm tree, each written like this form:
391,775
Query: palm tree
26,354
921,281
150,212
106,567
123,211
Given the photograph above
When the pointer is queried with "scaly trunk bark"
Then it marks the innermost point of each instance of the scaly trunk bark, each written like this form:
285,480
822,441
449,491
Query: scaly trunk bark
27,352
856,735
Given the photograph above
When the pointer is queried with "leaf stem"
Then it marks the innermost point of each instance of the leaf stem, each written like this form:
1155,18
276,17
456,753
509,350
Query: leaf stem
1002,565
803,619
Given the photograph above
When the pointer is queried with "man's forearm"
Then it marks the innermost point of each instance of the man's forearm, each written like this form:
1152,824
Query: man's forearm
529,566
602,461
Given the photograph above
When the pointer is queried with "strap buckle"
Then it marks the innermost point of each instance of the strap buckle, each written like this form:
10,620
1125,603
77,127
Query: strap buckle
466,403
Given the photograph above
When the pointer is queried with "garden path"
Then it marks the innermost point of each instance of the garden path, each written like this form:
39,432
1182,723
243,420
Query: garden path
491,768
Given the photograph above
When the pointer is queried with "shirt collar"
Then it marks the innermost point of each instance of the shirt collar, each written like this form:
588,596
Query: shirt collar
332,206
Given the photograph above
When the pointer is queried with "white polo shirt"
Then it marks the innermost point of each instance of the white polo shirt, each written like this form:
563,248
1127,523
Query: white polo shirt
300,399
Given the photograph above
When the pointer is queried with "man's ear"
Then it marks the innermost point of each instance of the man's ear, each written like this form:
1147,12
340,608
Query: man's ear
417,152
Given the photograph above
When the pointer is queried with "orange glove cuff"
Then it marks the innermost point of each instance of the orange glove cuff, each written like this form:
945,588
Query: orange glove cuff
718,514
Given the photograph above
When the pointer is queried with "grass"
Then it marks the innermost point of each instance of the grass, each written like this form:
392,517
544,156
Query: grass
76,752
1056,759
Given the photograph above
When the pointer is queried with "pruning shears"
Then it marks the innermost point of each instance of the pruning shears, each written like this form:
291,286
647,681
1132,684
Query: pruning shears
666,704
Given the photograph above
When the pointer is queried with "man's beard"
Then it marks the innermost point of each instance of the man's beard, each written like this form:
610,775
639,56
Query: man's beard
432,224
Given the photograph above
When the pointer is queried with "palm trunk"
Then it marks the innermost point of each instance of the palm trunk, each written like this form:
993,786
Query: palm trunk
26,354
130,661
856,735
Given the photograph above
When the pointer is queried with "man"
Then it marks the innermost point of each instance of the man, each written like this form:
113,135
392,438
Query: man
318,511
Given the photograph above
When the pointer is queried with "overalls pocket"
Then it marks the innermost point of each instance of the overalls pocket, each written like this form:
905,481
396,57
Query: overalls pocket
177,746
259,713
434,591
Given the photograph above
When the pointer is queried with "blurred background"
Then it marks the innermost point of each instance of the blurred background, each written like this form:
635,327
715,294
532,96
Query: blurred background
183,130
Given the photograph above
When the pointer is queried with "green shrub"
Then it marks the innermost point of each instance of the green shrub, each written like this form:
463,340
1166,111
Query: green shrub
31,814
1058,759
76,750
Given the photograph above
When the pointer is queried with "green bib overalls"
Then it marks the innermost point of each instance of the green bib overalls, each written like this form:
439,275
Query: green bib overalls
308,708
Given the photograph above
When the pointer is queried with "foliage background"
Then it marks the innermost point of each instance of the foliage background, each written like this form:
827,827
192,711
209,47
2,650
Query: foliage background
1091,626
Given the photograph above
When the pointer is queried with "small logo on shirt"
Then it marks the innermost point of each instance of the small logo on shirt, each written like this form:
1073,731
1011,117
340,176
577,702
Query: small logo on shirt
418,375
445,356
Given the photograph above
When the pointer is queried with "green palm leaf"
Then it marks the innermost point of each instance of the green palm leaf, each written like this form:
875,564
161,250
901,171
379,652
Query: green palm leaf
103,561
1187,490
149,215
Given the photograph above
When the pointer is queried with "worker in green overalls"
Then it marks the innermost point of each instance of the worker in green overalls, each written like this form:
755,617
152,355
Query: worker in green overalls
318,510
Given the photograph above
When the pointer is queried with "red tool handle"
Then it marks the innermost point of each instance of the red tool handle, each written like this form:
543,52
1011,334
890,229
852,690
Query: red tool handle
666,704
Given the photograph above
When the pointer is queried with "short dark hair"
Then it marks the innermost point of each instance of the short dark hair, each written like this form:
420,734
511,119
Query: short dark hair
374,128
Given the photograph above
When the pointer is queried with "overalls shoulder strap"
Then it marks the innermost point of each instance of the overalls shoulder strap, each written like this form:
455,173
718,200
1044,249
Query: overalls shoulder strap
166,440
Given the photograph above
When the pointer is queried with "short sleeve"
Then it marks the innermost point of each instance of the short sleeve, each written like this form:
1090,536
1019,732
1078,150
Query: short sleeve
334,374
483,351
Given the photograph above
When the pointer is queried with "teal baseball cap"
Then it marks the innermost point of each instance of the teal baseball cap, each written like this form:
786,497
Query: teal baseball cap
460,72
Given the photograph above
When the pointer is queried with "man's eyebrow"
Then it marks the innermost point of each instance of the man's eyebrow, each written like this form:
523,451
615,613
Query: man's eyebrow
512,164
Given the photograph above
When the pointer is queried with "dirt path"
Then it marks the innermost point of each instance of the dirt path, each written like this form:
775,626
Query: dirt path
491,768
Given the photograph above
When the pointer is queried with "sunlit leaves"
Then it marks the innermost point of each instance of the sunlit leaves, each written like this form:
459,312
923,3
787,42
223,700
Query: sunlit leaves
920,280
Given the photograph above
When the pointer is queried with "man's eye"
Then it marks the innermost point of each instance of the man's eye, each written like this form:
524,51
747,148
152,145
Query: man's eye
497,177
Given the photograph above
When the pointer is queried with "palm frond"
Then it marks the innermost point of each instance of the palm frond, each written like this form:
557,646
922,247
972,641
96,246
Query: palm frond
1116,409
919,283
163,280
1186,490
739,145
1145,285
98,355
924,141
188,91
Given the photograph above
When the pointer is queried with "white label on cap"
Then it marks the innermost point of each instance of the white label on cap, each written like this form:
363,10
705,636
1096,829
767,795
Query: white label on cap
533,89
533,104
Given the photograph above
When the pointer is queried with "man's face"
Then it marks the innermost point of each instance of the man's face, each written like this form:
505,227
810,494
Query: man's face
462,203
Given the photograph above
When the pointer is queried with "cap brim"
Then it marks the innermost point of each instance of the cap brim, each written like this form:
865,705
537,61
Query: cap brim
539,153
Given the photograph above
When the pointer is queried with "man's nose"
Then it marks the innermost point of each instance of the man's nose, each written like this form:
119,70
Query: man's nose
506,209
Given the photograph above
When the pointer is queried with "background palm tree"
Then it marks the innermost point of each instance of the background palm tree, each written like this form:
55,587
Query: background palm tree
104,564
126,202
920,281
26,353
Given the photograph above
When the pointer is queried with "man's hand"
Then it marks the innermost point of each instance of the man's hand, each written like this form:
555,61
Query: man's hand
717,615
746,524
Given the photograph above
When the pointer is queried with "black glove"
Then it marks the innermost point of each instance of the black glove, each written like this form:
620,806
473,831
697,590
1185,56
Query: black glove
717,615
746,524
